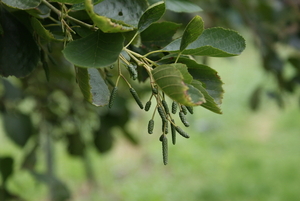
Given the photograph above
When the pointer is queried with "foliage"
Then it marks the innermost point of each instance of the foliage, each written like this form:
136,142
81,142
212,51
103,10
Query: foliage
273,24
99,44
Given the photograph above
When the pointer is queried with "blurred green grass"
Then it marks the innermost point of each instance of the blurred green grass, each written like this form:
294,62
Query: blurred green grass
237,156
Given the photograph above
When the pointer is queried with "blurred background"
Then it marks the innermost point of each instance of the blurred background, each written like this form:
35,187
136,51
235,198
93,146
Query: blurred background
55,146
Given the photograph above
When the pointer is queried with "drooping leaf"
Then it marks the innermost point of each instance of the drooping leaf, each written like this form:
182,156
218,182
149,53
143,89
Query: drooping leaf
171,82
182,6
214,42
106,24
93,86
19,53
210,103
159,34
96,50
207,76
42,11
192,31
18,127
41,31
125,11
151,15
22,4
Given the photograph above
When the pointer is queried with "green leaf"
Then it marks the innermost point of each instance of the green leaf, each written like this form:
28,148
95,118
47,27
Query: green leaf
19,53
214,42
22,4
96,50
69,1
124,11
104,23
93,86
151,15
207,76
171,82
42,11
18,127
41,31
182,6
210,102
192,31
159,34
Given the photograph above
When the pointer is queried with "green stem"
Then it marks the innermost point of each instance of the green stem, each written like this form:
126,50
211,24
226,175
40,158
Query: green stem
60,14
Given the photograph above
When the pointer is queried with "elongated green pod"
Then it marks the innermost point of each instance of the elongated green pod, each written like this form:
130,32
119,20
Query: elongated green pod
150,126
181,132
190,109
165,149
132,71
165,105
183,119
112,97
148,105
154,90
173,132
174,107
165,127
136,97
162,113
184,109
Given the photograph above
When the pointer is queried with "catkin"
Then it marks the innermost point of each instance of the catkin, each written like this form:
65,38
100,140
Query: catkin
190,109
150,126
173,132
174,107
136,97
112,97
148,105
183,119
165,105
161,112
181,132
184,109
165,149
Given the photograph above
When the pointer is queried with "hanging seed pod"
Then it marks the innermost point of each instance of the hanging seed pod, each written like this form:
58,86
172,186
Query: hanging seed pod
184,110
132,71
164,141
148,105
112,97
136,97
173,132
162,114
154,90
183,119
165,105
190,109
150,126
181,132
165,127
174,107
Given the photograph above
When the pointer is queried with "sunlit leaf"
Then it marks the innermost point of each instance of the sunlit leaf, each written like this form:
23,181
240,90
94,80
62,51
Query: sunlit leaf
22,4
151,15
192,31
171,82
214,42
104,23
207,76
210,103
93,86
122,11
96,50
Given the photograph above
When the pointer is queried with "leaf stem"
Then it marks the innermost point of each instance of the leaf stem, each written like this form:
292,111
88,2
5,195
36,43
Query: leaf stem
60,14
